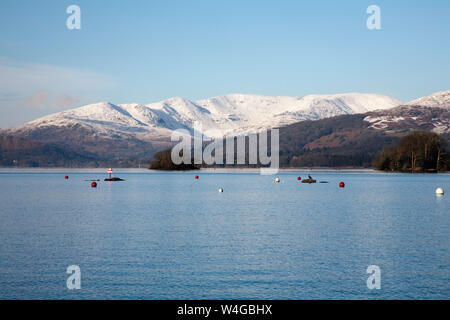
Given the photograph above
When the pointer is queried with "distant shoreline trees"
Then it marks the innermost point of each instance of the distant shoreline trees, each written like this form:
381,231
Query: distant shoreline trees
419,151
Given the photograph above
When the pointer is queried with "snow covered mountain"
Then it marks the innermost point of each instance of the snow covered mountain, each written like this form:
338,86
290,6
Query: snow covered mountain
231,114
103,132
436,100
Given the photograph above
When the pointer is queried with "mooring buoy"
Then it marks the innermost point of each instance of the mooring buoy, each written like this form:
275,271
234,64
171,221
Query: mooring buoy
439,191
341,184
94,184
220,190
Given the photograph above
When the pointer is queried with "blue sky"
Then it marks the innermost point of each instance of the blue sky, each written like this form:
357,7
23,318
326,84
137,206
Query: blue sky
146,51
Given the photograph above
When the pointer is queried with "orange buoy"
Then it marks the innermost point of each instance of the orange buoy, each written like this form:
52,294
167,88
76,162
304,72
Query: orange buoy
299,178
341,184
66,177
94,184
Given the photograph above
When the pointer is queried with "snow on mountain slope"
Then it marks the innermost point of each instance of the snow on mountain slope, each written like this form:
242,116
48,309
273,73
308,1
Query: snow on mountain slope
436,100
231,114
241,113
431,113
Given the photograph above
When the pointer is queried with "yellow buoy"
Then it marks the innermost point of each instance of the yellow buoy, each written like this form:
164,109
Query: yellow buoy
439,191
277,180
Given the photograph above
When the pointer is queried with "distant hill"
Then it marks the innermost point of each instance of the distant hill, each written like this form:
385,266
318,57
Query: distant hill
355,140
16,151
117,132
20,152
129,135
343,141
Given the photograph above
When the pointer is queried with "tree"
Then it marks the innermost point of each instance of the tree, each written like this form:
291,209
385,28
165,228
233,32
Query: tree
418,151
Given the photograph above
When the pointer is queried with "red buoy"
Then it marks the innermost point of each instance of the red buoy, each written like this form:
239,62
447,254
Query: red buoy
341,184
94,184
66,177
196,177
299,178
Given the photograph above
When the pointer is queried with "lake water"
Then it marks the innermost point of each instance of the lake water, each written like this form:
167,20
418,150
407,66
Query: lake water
169,236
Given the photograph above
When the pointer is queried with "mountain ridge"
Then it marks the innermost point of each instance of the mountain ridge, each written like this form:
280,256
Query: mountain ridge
121,132
238,113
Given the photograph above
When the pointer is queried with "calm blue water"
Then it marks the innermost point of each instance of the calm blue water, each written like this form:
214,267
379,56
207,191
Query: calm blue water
168,236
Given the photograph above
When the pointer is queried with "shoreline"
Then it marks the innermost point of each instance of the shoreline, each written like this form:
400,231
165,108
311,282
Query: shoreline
206,170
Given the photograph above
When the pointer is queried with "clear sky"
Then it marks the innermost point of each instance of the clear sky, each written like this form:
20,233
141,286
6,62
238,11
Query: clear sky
145,51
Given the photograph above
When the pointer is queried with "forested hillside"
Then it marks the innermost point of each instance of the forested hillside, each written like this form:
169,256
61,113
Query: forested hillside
343,141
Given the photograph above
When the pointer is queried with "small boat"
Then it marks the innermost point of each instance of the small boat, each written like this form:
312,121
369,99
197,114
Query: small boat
309,181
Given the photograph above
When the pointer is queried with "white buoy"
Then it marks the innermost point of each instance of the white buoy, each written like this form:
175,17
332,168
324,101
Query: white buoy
220,190
277,180
439,191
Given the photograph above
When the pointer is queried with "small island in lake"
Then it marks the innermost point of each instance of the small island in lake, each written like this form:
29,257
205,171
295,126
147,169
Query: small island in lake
114,179
163,161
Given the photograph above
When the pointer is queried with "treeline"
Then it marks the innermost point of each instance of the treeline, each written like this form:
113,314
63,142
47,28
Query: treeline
419,151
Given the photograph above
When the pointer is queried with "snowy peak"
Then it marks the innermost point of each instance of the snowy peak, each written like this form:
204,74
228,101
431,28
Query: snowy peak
136,130
234,113
240,113
436,100
102,113
178,113
352,102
